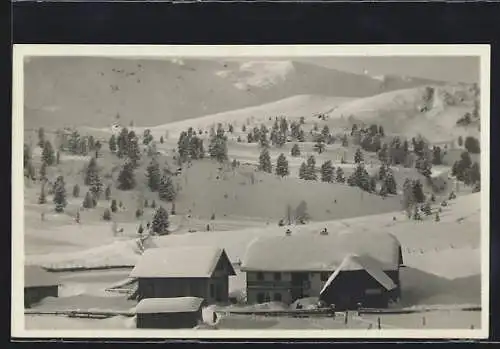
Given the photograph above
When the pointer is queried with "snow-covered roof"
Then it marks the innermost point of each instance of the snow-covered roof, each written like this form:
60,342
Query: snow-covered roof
367,263
35,276
180,262
319,252
169,305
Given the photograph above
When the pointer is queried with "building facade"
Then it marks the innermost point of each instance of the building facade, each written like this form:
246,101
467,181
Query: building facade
184,272
344,270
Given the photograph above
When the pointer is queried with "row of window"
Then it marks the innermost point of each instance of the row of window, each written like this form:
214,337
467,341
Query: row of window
277,276
265,297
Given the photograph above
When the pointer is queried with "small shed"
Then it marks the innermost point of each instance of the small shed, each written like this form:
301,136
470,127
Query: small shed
169,313
38,284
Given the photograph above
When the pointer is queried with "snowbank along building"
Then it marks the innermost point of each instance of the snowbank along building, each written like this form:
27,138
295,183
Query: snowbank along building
201,271
344,269
178,312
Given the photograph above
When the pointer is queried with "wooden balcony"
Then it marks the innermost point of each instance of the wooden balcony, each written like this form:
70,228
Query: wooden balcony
276,285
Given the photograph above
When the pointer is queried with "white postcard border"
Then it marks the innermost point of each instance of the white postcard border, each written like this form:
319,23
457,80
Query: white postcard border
21,52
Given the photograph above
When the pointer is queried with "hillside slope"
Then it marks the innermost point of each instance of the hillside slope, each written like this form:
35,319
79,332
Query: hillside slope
76,91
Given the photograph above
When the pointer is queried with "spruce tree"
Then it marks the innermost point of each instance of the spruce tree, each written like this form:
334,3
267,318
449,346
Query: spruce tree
358,156
437,219
134,153
327,171
345,142
295,150
166,191
106,215
107,192
301,136
75,143
340,175
301,214
140,230
390,183
88,202
42,199
319,146
418,192
153,175
41,137
427,209
113,206
126,177
153,204
311,169
160,222
112,144
48,154
146,204
60,194
138,213
282,166
76,191
43,172
303,171
122,143
161,142
265,161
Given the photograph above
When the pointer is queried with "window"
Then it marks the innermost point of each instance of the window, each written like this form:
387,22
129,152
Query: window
212,291
267,298
260,276
277,297
260,297
325,275
277,276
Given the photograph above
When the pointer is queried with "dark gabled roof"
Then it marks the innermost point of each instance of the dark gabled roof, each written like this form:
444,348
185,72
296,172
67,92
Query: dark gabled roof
180,262
35,276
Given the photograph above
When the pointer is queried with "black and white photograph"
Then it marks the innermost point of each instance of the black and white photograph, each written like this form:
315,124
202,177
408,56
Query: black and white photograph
251,191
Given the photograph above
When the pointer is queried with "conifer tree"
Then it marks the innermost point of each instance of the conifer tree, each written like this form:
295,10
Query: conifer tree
166,189
301,136
265,161
360,178
327,171
418,192
161,142
427,209
301,214
112,144
282,166
126,177
138,213
41,137
325,132
390,183
153,175
218,146
107,192
43,172
42,199
320,145
146,204
75,143
408,196
93,179
106,215
160,222
311,169
303,171
76,191
295,150
134,153
345,142
358,156
88,201
340,175
437,219
48,154
122,143
60,194
153,204
58,157
113,206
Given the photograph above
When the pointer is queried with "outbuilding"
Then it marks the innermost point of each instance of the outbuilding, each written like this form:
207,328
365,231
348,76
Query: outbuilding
169,313
192,271
38,284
